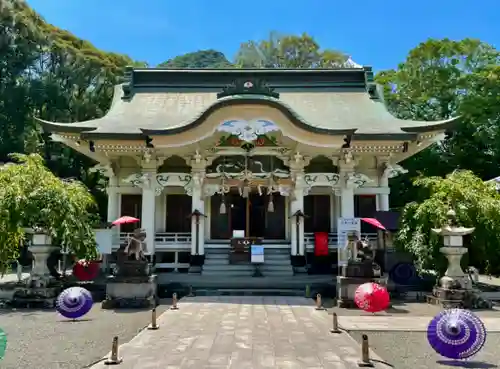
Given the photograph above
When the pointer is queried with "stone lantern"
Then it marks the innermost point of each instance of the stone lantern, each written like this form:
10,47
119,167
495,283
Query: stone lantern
454,250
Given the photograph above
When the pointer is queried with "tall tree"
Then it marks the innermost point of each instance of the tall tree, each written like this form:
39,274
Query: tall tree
440,79
202,59
50,73
287,51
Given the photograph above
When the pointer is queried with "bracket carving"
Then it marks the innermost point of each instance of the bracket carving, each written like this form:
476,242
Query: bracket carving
106,169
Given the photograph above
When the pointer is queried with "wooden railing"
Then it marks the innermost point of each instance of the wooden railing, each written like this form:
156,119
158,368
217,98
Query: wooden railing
163,240
333,239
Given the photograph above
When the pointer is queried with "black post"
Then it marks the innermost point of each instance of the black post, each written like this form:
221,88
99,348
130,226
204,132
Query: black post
197,214
298,215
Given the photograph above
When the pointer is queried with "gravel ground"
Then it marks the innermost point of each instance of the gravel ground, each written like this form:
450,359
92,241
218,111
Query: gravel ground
44,340
410,350
407,308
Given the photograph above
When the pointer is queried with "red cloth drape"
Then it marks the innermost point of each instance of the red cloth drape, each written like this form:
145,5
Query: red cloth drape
321,244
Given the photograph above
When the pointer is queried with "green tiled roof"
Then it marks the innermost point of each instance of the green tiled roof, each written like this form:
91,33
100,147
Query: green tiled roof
167,109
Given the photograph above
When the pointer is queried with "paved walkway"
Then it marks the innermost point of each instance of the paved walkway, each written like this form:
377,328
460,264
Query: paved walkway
241,333
397,324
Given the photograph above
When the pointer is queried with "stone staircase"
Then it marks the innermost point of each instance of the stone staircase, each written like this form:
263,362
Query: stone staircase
276,264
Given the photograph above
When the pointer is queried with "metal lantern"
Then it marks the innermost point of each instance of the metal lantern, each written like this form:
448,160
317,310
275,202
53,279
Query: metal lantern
74,302
456,334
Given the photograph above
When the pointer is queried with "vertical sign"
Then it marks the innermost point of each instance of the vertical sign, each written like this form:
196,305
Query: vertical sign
346,226
104,241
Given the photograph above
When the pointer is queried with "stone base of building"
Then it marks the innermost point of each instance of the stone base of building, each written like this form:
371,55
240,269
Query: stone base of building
131,292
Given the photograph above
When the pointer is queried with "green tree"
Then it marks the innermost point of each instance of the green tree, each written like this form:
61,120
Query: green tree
50,73
287,51
440,79
476,203
202,59
31,196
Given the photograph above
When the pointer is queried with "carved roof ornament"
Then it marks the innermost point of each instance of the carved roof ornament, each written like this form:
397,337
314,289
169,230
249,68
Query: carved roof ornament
248,87
393,170
107,170
348,158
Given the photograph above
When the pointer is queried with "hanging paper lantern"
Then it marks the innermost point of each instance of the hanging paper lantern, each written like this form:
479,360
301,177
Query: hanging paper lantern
74,302
85,270
3,343
456,334
371,297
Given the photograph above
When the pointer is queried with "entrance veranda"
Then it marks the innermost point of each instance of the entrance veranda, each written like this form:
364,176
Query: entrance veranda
253,215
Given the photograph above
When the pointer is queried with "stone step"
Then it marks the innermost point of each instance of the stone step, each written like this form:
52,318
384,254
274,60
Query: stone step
278,273
249,292
222,267
227,273
285,263
265,267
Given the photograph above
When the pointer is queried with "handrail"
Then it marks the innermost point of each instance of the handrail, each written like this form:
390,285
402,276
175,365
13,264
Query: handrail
160,237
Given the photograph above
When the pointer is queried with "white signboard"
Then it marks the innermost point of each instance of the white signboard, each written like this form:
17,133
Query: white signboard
346,226
104,240
257,254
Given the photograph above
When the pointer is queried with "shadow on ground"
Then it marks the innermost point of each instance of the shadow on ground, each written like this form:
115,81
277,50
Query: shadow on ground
467,364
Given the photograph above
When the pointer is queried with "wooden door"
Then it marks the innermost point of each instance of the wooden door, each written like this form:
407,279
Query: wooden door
178,211
131,205
275,222
219,223
365,206
317,210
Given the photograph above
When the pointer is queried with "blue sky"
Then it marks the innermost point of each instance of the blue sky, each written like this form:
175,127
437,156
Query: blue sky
374,34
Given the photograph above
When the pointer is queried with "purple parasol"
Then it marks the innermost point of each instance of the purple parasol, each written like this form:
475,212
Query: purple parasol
456,334
74,302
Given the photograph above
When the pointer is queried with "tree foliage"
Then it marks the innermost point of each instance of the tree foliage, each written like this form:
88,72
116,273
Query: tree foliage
31,196
287,51
476,203
202,59
48,72
438,80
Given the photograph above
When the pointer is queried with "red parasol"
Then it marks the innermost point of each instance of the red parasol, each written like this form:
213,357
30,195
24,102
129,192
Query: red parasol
371,297
125,220
374,222
86,270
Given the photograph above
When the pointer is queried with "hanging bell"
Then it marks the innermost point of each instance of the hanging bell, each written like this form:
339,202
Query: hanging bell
222,209
270,206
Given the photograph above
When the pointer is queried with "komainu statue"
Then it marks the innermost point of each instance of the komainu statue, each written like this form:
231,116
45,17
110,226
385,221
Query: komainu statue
136,245
131,259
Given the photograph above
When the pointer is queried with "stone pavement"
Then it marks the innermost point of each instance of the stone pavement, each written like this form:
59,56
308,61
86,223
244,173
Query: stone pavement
242,333
398,324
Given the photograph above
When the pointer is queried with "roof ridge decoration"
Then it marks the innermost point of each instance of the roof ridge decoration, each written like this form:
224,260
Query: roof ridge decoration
128,81
248,87
371,86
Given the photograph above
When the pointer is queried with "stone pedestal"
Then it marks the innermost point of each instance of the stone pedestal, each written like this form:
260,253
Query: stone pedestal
41,287
41,254
352,276
131,292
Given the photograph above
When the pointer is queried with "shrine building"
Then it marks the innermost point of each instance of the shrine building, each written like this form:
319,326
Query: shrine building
201,156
